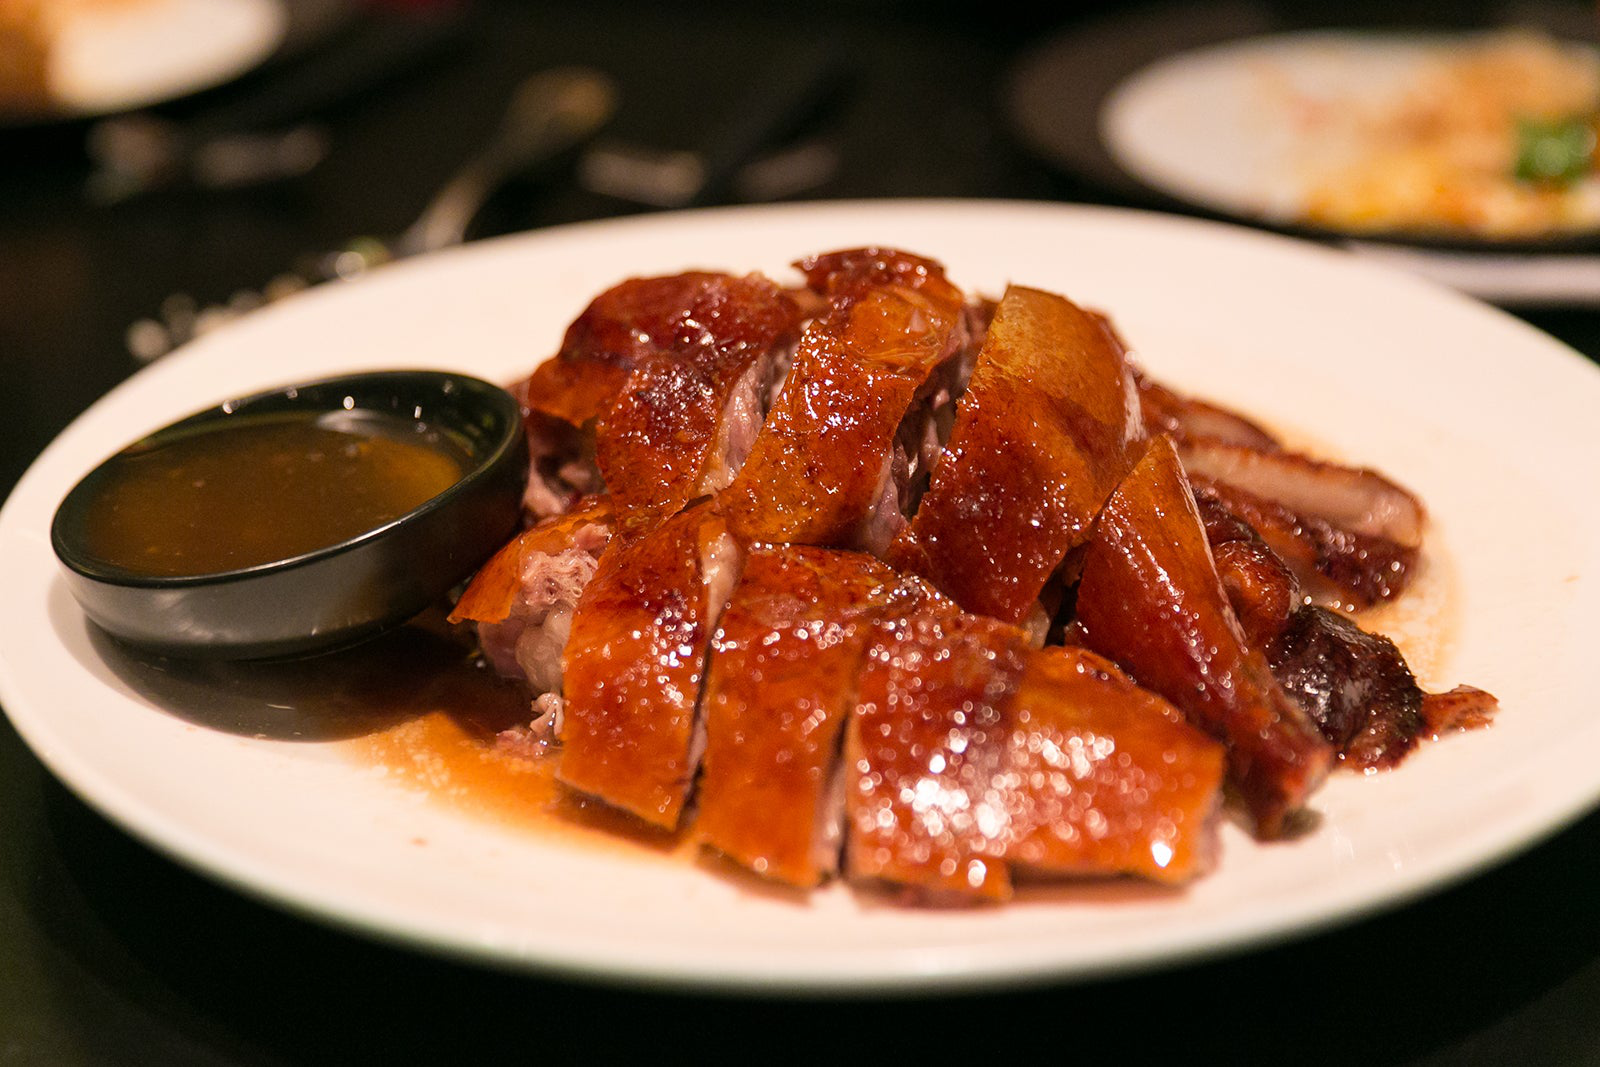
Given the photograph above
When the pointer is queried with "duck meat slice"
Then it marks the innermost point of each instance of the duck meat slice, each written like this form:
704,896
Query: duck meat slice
1356,499
780,686
1150,599
925,753
1106,778
692,338
973,758
1336,565
522,599
634,662
1043,434
1262,589
1355,685
685,418
830,467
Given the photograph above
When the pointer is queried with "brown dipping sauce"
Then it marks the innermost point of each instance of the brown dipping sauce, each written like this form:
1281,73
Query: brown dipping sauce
259,488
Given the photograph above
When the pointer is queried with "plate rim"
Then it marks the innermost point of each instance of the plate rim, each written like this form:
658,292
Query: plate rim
275,891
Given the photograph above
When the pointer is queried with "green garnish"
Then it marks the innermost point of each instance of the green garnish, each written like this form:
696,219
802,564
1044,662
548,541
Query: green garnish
1556,152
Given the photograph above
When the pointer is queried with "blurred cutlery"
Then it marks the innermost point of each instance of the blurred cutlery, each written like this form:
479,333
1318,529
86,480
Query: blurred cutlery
746,157
549,113
267,133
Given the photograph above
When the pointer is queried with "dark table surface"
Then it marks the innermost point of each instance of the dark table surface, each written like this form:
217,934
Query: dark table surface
110,953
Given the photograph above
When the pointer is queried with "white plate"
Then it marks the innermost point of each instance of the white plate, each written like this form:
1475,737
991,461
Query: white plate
145,53
1488,419
1250,127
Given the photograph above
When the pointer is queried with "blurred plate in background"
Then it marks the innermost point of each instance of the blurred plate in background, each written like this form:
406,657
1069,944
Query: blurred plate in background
1212,111
62,61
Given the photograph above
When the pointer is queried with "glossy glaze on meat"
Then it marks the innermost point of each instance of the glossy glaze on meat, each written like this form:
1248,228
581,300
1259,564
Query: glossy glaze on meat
688,412
923,754
1042,435
667,365
794,609
822,470
1109,778
782,683
635,661
1150,599
974,759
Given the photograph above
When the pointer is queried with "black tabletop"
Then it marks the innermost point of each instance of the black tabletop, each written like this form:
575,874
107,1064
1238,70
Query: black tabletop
110,953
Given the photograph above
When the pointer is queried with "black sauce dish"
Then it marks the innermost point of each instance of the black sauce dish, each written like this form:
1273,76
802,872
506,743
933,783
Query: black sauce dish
333,596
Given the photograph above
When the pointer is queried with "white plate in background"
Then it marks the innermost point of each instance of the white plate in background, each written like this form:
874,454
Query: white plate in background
122,57
1251,127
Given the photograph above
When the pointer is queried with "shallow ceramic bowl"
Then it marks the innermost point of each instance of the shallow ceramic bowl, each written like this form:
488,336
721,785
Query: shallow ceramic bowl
346,592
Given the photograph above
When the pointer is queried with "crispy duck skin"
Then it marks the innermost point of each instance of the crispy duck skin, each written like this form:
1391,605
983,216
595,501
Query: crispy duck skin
843,275
821,470
1042,436
1354,684
924,752
663,358
634,664
780,687
1109,778
973,757
1150,600
619,329
1335,565
688,412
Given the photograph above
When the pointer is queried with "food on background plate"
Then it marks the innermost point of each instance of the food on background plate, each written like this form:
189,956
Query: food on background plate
1494,136
935,592
1486,136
